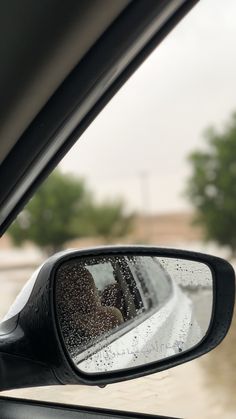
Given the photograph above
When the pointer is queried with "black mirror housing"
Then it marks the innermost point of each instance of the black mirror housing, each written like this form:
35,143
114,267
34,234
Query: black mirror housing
33,351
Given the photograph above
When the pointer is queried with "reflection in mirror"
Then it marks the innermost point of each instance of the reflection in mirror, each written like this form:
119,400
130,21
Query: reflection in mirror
118,312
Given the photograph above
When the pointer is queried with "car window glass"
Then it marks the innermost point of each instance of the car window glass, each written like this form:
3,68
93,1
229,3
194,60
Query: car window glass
161,283
102,274
133,168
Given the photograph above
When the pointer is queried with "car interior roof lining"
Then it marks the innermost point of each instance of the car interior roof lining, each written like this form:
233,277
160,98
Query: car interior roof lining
48,41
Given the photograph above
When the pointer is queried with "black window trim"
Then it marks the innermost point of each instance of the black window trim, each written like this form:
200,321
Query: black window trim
87,90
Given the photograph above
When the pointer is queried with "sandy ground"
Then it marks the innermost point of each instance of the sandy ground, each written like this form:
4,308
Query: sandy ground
203,388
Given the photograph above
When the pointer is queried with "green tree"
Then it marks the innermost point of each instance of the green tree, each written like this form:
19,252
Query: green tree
63,209
110,220
212,185
57,213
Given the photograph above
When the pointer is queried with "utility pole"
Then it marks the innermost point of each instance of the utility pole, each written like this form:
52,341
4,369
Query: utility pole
145,200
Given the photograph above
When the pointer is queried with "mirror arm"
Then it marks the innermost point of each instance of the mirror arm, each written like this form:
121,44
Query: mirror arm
17,372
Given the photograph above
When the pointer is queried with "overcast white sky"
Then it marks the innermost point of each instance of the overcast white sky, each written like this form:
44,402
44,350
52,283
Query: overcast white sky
159,116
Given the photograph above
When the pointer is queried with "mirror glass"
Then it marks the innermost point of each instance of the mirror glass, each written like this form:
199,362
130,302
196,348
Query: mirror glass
118,312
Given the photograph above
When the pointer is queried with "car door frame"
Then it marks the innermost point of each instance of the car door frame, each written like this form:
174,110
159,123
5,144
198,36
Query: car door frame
11,407
88,88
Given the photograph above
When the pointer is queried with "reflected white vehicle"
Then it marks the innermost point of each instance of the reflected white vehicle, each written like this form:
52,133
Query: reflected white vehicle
171,328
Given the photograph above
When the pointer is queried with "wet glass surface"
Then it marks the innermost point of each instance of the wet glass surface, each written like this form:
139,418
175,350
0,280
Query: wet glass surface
118,312
137,149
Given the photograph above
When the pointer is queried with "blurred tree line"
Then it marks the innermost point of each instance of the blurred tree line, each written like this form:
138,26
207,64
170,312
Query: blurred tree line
64,209
212,185
212,190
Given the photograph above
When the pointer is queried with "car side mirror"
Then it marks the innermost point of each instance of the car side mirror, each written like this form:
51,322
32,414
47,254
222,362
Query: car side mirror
109,314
